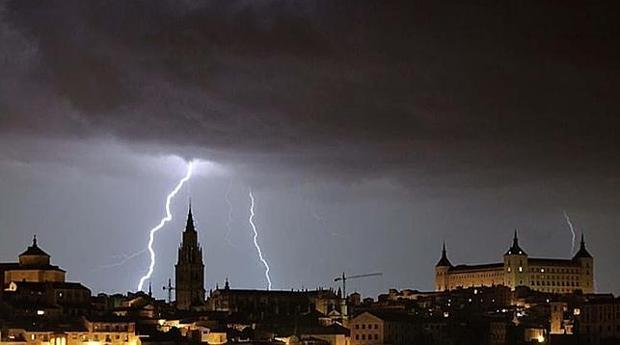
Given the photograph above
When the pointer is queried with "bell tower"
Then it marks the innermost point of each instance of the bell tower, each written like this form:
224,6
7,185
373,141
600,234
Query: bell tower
189,270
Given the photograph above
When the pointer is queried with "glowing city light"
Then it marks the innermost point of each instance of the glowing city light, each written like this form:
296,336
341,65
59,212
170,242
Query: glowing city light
572,230
163,221
260,253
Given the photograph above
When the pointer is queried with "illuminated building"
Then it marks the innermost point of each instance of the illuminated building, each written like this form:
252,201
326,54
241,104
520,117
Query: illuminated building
33,266
34,287
81,331
377,327
518,269
189,270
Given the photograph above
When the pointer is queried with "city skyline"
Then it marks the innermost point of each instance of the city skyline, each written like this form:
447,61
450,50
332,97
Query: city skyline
369,134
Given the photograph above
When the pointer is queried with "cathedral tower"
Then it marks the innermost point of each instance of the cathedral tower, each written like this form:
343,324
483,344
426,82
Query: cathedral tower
189,270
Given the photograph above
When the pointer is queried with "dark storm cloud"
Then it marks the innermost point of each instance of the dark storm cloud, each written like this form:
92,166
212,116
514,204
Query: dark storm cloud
323,86
493,115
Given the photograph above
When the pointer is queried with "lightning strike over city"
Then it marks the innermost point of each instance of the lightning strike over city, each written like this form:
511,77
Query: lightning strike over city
164,220
255,240
572,230
319,144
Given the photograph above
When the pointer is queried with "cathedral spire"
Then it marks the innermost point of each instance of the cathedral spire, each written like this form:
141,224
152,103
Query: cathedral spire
189,270
190,219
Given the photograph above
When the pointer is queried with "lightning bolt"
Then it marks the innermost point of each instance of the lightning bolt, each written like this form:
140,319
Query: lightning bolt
572,230
123,259
163,221
230,213
260,253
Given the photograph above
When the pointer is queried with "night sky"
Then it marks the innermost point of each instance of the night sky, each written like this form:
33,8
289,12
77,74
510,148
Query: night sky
369,131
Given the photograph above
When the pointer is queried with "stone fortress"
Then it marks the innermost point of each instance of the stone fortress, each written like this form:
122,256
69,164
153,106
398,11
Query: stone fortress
518,269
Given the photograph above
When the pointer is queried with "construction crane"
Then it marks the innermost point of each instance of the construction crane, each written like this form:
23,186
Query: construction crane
344,279
170,288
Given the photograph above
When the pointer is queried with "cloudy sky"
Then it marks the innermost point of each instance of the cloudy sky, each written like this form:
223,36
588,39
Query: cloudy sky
369,131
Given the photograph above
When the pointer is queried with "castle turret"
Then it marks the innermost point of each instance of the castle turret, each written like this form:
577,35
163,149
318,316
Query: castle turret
586,263
442,269
515,265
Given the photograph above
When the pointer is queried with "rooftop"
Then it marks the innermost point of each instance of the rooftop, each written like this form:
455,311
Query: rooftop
492,266
34,249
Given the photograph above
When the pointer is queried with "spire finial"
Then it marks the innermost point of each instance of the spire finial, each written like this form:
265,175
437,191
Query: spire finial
515,239
190,219
443,248
150,289
583,241
34,241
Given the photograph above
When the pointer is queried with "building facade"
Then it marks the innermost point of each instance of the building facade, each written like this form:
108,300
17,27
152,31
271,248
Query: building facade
33,266
378,328
260,305
189,270
599,322
35,287
518,269
94,331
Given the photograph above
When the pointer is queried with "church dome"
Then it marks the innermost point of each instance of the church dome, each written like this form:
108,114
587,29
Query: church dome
34,256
